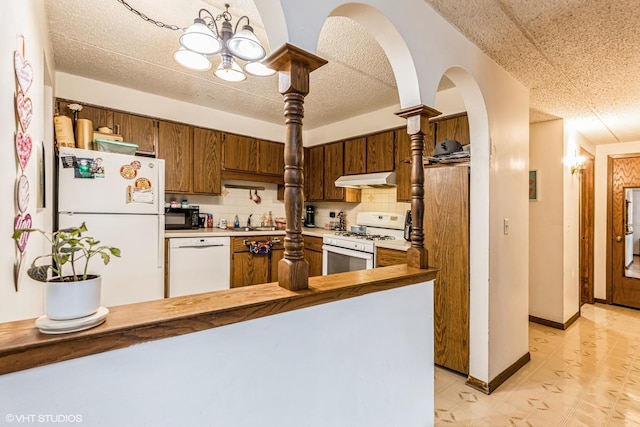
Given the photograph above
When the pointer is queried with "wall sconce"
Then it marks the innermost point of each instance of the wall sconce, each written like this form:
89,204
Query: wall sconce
578,164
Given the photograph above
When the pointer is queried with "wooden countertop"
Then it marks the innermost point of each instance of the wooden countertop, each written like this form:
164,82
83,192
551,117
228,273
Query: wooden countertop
22,346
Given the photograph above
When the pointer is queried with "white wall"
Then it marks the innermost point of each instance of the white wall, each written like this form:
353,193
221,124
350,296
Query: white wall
23,18
546,237
365,361
600,220
103,94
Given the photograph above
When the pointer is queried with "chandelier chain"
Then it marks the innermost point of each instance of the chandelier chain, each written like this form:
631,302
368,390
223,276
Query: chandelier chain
146,18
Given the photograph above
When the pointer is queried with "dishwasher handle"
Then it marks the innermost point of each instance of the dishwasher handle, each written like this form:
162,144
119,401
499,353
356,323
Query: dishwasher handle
200,246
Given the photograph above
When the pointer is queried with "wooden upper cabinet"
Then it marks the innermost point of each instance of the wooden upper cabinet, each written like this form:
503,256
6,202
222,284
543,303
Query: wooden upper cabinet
240,153
270,157
99,116
355,156
333,169
381,152
175,146
315,176
207,158
453,127
138,130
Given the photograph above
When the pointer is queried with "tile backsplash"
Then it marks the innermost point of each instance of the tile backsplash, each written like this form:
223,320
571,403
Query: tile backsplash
234,202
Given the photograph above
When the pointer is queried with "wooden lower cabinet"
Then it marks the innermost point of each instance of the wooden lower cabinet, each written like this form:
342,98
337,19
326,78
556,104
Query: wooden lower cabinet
386,257
313,254
252,269
446,237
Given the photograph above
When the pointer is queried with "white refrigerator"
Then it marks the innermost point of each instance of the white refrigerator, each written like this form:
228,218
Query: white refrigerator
121,200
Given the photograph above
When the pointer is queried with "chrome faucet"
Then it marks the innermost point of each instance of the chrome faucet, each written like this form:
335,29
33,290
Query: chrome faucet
249,220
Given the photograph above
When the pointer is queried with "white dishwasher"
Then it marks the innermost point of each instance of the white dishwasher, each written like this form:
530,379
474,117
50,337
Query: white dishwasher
198,264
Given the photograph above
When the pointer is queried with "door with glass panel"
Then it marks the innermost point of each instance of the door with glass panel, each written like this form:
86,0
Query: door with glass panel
624,230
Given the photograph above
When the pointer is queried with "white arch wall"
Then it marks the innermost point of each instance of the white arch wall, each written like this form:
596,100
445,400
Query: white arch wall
500,305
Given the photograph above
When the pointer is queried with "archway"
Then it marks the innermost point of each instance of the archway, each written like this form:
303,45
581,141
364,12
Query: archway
474,104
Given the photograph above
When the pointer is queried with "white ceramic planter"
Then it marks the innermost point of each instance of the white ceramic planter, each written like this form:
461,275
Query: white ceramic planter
72,300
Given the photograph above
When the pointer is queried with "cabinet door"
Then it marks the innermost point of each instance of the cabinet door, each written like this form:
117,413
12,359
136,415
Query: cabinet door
453,128
355,156
333,169
249,269
316,174
313,254
380,152
99,116
138,130
446,237
240,153
276,256
403,166
207,152
270,158
175,146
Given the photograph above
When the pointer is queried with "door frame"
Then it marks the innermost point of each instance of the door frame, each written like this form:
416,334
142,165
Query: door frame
587,217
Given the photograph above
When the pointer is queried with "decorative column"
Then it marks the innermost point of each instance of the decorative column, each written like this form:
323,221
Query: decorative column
294,66
417,127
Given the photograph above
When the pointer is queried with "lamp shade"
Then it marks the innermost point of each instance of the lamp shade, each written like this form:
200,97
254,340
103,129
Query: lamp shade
199,38
245,45
258,69
231,73
192,60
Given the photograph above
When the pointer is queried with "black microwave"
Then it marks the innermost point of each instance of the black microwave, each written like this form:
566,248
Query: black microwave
181,218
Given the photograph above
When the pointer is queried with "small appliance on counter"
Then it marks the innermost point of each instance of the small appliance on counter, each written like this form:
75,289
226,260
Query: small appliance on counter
182,218
310,217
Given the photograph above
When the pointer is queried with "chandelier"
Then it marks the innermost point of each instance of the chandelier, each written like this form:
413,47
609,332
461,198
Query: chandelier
204,38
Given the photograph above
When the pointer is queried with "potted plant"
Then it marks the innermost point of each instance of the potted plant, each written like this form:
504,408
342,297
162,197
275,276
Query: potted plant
77,294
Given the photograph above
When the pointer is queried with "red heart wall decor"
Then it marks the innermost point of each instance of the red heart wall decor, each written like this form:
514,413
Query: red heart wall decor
24,106
23,148
22,223
24,72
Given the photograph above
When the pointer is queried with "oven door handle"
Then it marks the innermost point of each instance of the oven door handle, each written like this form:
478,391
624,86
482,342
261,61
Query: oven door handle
348,252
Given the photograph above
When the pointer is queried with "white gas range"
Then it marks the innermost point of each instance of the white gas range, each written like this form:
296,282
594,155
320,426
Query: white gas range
355,249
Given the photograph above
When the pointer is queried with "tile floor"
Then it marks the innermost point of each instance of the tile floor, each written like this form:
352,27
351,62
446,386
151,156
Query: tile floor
588,375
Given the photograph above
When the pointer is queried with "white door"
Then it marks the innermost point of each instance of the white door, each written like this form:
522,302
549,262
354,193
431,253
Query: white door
138,275
100,182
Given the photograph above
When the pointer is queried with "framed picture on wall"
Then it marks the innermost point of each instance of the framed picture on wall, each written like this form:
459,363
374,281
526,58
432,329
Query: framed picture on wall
533,185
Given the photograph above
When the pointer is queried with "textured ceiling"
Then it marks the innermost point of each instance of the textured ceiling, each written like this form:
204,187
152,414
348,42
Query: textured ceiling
580,59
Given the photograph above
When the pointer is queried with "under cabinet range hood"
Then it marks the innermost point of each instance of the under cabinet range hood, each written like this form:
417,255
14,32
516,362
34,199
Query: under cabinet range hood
373,180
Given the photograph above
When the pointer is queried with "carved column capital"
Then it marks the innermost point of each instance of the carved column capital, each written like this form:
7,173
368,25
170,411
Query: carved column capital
417,126
294,66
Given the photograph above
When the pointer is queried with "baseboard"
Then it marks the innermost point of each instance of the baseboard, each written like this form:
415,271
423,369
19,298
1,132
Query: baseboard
600,301
501,378
553,324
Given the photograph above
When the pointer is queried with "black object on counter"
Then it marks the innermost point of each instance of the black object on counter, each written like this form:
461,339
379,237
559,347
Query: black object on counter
407,226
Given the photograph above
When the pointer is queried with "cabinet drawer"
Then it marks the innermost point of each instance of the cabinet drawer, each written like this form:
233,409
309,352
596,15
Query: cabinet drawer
240,244
386,257
313,243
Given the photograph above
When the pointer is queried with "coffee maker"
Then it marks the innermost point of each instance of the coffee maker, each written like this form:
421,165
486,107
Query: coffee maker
309,218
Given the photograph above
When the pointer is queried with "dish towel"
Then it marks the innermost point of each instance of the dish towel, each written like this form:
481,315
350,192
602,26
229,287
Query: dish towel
260,248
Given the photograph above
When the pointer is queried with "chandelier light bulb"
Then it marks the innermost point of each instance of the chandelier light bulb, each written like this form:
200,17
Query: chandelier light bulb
230,73
192,60
245,45
199,38
258,69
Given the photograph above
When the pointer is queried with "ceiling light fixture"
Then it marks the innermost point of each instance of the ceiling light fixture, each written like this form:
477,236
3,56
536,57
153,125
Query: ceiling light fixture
203,38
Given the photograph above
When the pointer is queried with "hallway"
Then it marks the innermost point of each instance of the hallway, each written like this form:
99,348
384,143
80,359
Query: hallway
588,375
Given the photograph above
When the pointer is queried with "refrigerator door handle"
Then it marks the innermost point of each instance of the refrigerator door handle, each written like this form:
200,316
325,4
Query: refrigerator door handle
160,241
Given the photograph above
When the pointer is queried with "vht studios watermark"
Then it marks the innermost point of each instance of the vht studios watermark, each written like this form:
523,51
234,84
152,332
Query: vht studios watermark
43,418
